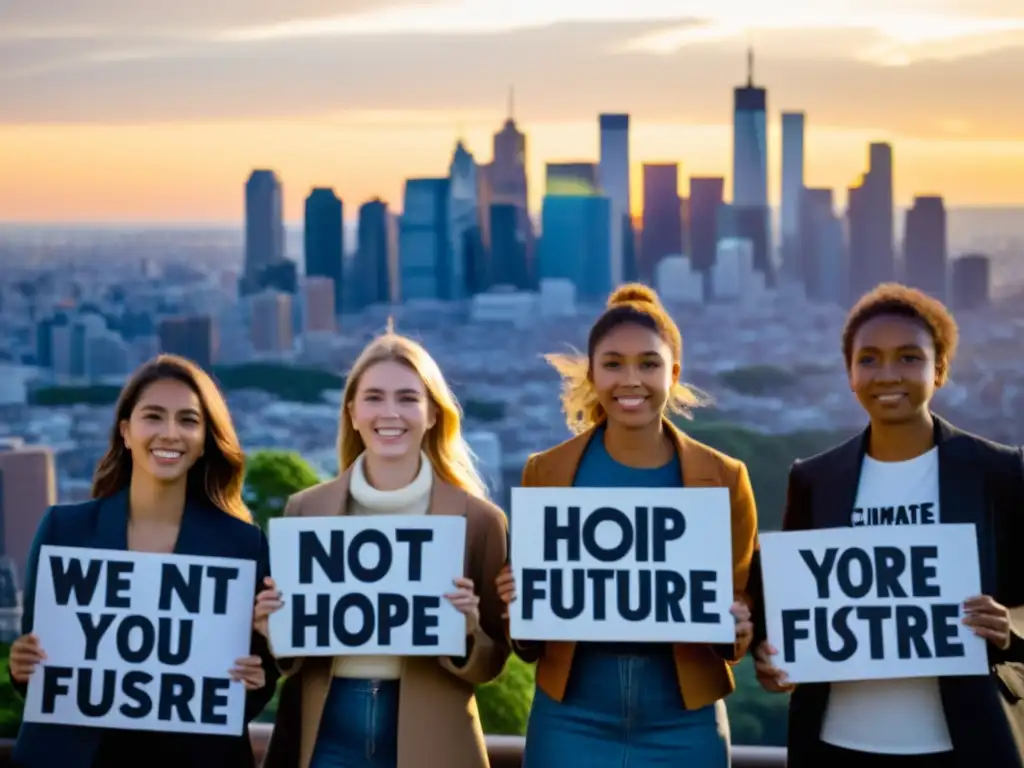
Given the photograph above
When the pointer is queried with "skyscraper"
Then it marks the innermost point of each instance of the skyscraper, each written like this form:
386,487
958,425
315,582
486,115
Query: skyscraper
576,244
194,337
424,259
706,196
971,281
614,181
870,225
925,249
324,241
372,268
662,233
264,227
463,221
792,190
571,179
28,486
508,182
750,143
750,174
822,264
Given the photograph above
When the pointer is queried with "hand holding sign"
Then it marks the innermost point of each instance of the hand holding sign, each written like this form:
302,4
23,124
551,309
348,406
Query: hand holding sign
744,626
771,678
466,602
26,654
989,620
506,586
249,670
268,601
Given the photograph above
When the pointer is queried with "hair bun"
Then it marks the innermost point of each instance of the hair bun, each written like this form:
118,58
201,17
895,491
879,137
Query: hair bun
633,293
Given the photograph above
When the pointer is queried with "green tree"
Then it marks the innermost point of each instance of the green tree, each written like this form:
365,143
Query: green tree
270,478
504,703
11,704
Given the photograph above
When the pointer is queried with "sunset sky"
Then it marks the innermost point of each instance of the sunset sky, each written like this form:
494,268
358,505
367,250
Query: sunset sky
152,110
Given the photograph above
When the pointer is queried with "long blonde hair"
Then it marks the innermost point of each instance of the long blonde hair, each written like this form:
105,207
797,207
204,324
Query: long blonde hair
635,304
447,449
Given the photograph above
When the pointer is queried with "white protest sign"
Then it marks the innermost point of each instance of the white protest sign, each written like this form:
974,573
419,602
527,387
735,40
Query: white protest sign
127,637
622,565
361,585
872,603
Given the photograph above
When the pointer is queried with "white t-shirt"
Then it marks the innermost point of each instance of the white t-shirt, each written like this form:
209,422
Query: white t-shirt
900,716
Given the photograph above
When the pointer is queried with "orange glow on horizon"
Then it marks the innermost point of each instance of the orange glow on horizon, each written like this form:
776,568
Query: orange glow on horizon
196,171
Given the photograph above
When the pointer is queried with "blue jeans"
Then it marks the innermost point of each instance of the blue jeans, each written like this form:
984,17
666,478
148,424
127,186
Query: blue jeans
624,711
359,727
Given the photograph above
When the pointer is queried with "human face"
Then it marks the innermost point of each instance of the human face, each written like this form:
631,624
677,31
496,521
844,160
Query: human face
166,431
391,410
892,369
632,372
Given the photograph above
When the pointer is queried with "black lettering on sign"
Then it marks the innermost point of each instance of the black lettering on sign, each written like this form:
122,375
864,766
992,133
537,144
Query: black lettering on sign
189,589
645,532
878,572
71,577
368,557
356,620
172,695
573,592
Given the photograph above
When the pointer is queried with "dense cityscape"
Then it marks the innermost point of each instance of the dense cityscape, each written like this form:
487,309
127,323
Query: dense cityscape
463,266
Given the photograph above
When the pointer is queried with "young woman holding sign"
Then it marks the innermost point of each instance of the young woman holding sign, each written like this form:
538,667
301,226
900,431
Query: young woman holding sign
603,705
898,345
170,482
401,451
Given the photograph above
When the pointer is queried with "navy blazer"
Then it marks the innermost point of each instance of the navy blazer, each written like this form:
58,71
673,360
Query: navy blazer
103,524
980,482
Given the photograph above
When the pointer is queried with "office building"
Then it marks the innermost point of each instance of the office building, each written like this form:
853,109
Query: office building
615,185
925,248
323,241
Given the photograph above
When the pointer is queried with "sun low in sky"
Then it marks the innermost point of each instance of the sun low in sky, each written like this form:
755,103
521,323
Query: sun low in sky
118,111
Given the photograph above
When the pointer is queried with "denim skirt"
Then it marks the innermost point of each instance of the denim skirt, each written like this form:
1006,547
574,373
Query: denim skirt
359,727
623,710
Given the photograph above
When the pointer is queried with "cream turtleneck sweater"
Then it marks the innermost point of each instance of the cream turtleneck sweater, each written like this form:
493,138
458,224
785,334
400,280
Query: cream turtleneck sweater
413,499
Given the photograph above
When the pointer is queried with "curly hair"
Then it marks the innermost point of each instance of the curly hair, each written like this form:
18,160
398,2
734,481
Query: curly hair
634,304
894,299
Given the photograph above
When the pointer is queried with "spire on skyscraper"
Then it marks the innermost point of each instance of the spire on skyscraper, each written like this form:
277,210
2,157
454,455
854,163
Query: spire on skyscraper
750,66
511,104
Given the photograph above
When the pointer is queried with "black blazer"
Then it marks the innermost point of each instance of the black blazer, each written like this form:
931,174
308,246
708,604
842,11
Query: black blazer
980,482
103,524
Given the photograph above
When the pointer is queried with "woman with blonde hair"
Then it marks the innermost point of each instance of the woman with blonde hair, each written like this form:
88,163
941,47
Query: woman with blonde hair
401,451
605,705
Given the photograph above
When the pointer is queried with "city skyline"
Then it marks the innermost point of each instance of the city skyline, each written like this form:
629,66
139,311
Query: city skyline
121,116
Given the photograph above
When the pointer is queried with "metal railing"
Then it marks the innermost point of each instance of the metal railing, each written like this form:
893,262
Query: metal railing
504,751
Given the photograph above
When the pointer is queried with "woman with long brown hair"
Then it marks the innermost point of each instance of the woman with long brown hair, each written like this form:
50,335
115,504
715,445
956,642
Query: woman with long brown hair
606,705
401,452
170,482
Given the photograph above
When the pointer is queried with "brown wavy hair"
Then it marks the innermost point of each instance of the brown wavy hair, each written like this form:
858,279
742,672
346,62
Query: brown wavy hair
449,453
631,304
218,476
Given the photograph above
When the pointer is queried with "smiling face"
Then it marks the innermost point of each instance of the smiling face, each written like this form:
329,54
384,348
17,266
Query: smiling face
632,372
391,410
893,368
166,431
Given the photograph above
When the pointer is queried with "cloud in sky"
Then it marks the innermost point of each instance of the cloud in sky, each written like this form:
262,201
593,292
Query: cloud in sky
870,64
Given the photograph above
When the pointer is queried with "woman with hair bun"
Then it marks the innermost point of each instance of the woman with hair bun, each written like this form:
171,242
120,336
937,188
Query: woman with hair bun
605,705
